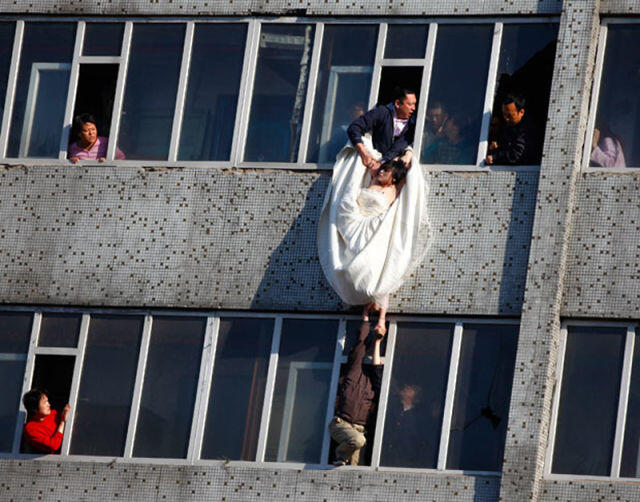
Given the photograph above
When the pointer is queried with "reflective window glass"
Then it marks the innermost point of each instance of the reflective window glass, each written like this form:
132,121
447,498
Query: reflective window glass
237,389
616,137
15,330
343,86
103,39
525,68
169,390
41,90
6,49
301,392
106,385
279,92
406,41
59,330
458,85
630,466
481,402
588,401
150,93
417,391
53,375
212,93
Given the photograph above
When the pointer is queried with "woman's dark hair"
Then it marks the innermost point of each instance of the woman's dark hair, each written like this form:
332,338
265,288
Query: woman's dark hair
81,120
31,401
397,168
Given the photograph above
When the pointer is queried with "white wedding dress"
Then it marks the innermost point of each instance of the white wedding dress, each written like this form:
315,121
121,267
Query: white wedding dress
367,247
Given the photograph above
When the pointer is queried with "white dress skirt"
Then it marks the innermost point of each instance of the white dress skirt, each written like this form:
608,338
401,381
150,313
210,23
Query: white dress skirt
367,247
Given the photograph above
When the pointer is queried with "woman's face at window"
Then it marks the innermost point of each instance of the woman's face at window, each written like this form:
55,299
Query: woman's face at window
89,133
385,177
44,408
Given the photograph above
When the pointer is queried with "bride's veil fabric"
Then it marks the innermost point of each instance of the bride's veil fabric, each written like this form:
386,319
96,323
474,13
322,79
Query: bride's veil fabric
368,258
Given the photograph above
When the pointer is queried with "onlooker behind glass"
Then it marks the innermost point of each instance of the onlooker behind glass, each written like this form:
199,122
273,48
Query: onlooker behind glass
455,147
391,127
405,432
436,117
607,149
516,141
88,145
339,134
44,429
357,399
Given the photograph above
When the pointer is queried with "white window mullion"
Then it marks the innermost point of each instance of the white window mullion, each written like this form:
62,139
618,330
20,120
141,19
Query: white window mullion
333,389
384,393
623,401
311,93
71,95
138,386
75,382
182,91
377,67
562,347
204,388
424,89
490,93
447,415
11,87
28,376
595,94
268,391
246,92
120,86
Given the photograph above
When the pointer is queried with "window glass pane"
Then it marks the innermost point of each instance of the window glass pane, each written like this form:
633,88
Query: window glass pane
279,93
589,401
41,90
15,330
6,49
301,392
103,39
630,466
343,85
525,68
416,395
53,375
618,118
351,338
150,92
483,392
237,389
212,92
106,385
406,41
458,84
170,384
59,330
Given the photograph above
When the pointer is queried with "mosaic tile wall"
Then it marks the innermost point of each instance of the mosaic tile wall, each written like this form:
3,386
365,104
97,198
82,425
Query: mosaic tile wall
285,7
203,238
589,491
32,480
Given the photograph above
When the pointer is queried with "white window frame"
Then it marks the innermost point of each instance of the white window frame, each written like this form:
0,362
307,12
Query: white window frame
595,98
246,87
625,382
205,380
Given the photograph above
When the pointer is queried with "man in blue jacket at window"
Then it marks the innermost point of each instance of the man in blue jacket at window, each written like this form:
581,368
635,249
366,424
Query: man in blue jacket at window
392,128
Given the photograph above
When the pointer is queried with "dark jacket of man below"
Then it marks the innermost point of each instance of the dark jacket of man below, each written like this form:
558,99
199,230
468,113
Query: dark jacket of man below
360,386
517,145
379,122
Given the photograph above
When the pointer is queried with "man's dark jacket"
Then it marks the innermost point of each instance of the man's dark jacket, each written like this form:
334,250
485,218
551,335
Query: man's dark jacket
379,122
517,145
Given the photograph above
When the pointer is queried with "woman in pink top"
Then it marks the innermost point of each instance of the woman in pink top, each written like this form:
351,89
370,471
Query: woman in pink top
607,149
89,146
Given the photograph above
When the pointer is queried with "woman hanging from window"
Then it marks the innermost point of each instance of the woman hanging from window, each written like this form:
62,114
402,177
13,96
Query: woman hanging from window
88,145
373,228
44,429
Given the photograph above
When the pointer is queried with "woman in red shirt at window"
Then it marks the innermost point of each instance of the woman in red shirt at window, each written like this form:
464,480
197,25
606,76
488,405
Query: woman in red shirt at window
44,429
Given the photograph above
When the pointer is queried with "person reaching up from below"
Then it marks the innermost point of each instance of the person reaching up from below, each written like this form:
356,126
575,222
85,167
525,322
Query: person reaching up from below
88,145
44,429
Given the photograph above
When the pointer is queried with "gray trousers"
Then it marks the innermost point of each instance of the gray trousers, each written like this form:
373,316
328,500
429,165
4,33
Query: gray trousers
350,439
